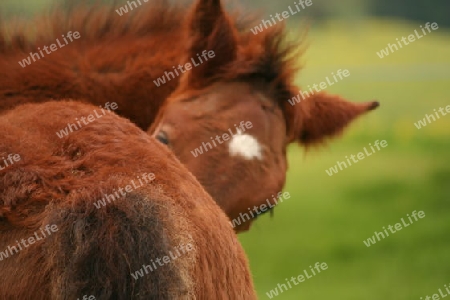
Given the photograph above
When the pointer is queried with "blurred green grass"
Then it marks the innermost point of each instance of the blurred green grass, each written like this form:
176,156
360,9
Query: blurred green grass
327,218
14,7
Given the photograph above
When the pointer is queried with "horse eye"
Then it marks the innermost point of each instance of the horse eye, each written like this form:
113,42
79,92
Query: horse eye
162,137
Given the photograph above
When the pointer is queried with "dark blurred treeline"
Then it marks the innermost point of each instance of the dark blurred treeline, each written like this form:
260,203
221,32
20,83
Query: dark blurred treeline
414,10
419,10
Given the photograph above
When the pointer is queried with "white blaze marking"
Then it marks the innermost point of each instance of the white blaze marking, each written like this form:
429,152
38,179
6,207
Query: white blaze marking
245,145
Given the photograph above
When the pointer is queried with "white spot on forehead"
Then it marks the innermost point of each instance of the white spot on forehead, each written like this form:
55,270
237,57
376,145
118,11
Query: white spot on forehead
245,145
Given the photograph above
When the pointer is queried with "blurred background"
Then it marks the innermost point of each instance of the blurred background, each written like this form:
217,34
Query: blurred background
327,217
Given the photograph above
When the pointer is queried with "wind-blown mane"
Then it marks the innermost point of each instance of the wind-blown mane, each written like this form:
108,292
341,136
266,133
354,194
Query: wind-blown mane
119,57
94,22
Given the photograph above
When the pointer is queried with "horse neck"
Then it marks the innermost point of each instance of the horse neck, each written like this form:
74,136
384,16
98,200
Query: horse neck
120,70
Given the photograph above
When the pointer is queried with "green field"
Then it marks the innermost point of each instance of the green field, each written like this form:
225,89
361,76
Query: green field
328,217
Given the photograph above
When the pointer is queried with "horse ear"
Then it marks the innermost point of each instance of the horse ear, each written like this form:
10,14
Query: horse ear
323,116
209,29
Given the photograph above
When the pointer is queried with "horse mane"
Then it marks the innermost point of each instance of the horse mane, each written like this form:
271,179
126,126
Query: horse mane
272,58
99,21
268,57
94,22
112,60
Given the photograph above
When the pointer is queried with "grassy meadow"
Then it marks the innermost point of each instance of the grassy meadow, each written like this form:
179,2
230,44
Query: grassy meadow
328,217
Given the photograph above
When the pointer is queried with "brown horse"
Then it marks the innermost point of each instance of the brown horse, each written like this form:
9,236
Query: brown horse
234,77
158,234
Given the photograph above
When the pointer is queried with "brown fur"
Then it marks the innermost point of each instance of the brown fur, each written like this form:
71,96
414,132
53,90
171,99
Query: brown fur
94,250
250,79
115,59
